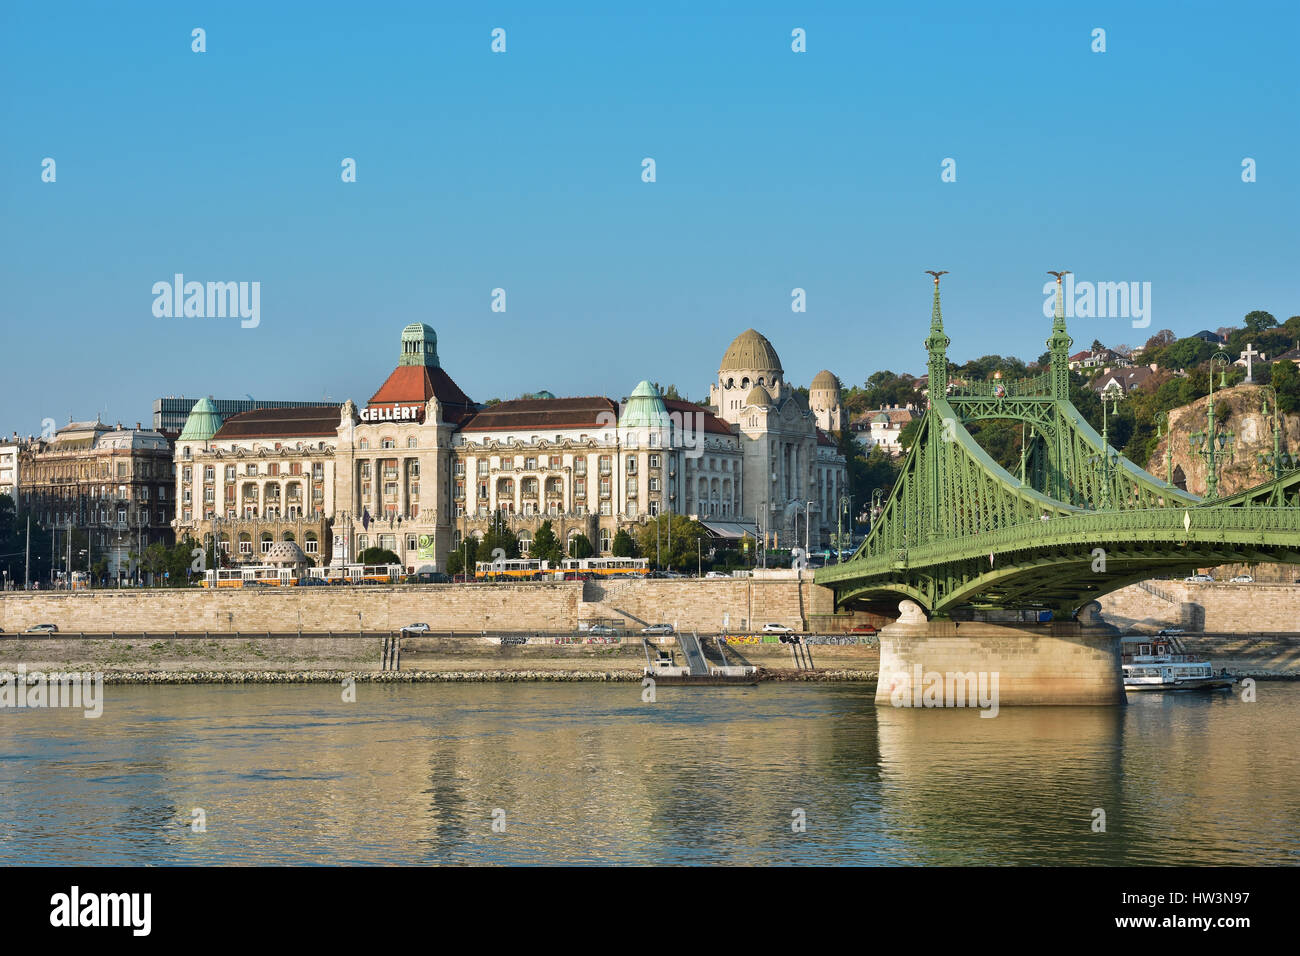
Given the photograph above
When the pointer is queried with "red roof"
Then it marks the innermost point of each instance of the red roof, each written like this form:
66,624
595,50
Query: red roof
414,384
712,423
310,421
544,413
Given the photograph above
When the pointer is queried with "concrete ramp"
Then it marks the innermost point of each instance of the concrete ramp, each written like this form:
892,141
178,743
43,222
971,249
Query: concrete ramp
694,653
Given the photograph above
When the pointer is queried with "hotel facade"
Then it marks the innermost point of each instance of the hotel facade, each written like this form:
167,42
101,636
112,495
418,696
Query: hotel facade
421,466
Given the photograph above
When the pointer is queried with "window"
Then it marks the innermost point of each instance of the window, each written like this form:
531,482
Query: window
412,442
631,466
318,471
273,468
605,540
482,467
388,542
251,468
365,469
363,542
580,465
245,544
230,473
387,443
364,443
310,545
653,484
530,463
604,487
606,464
187,474
580,487
209,473
295,468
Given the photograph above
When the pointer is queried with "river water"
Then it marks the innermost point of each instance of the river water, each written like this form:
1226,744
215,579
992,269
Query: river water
582,773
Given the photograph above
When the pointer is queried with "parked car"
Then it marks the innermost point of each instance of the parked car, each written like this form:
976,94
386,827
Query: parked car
1198,579
771,628
1243,579
42,629
657,629
1170,632
313,583
416,629
717,574
602,630
863,629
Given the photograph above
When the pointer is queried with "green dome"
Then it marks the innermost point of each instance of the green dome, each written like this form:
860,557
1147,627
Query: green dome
203,422
419,346
644,409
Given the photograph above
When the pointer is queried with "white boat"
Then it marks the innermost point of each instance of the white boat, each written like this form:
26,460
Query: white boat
1160,663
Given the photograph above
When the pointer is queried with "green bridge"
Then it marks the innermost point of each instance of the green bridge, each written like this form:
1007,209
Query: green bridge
959,531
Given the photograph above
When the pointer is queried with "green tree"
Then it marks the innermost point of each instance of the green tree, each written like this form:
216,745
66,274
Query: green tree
675,544
1259,320
580,546
1185,353
623,546
1286,380
546,546
379,556
499,538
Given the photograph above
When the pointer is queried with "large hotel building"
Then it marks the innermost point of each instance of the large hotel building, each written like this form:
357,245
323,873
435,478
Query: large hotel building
422,465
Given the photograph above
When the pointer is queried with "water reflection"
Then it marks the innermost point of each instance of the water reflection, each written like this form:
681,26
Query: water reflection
592,774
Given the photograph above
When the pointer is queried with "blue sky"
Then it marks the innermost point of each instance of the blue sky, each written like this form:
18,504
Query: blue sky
522,171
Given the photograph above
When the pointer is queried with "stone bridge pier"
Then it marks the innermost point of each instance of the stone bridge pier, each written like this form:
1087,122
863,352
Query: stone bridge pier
985,665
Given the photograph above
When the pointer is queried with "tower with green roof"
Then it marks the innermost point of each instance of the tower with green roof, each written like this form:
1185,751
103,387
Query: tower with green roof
419,346
203,422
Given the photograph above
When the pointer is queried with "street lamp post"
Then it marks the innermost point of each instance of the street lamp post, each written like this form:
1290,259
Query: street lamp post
1211,444
1278,459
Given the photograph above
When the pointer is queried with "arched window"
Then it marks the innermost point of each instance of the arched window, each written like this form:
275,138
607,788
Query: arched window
525,542
364,443
412,442
266,541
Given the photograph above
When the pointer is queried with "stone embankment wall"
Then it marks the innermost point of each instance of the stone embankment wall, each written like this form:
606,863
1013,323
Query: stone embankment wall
1211,608
693,604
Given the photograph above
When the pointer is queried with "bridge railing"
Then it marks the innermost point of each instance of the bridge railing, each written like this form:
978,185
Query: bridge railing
1093,528
1039,386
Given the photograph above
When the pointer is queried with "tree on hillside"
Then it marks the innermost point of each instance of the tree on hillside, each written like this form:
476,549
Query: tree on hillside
1286,380
1158,341
1097,346
1259,320
1185,353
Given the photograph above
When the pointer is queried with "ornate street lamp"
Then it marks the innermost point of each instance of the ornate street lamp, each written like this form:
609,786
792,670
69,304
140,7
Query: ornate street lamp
1278,459
1213,445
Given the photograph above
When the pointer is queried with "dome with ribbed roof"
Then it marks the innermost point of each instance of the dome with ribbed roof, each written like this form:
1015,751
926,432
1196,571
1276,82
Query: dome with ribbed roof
203,422
825,380
750,352
644,409
759,396
284,552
